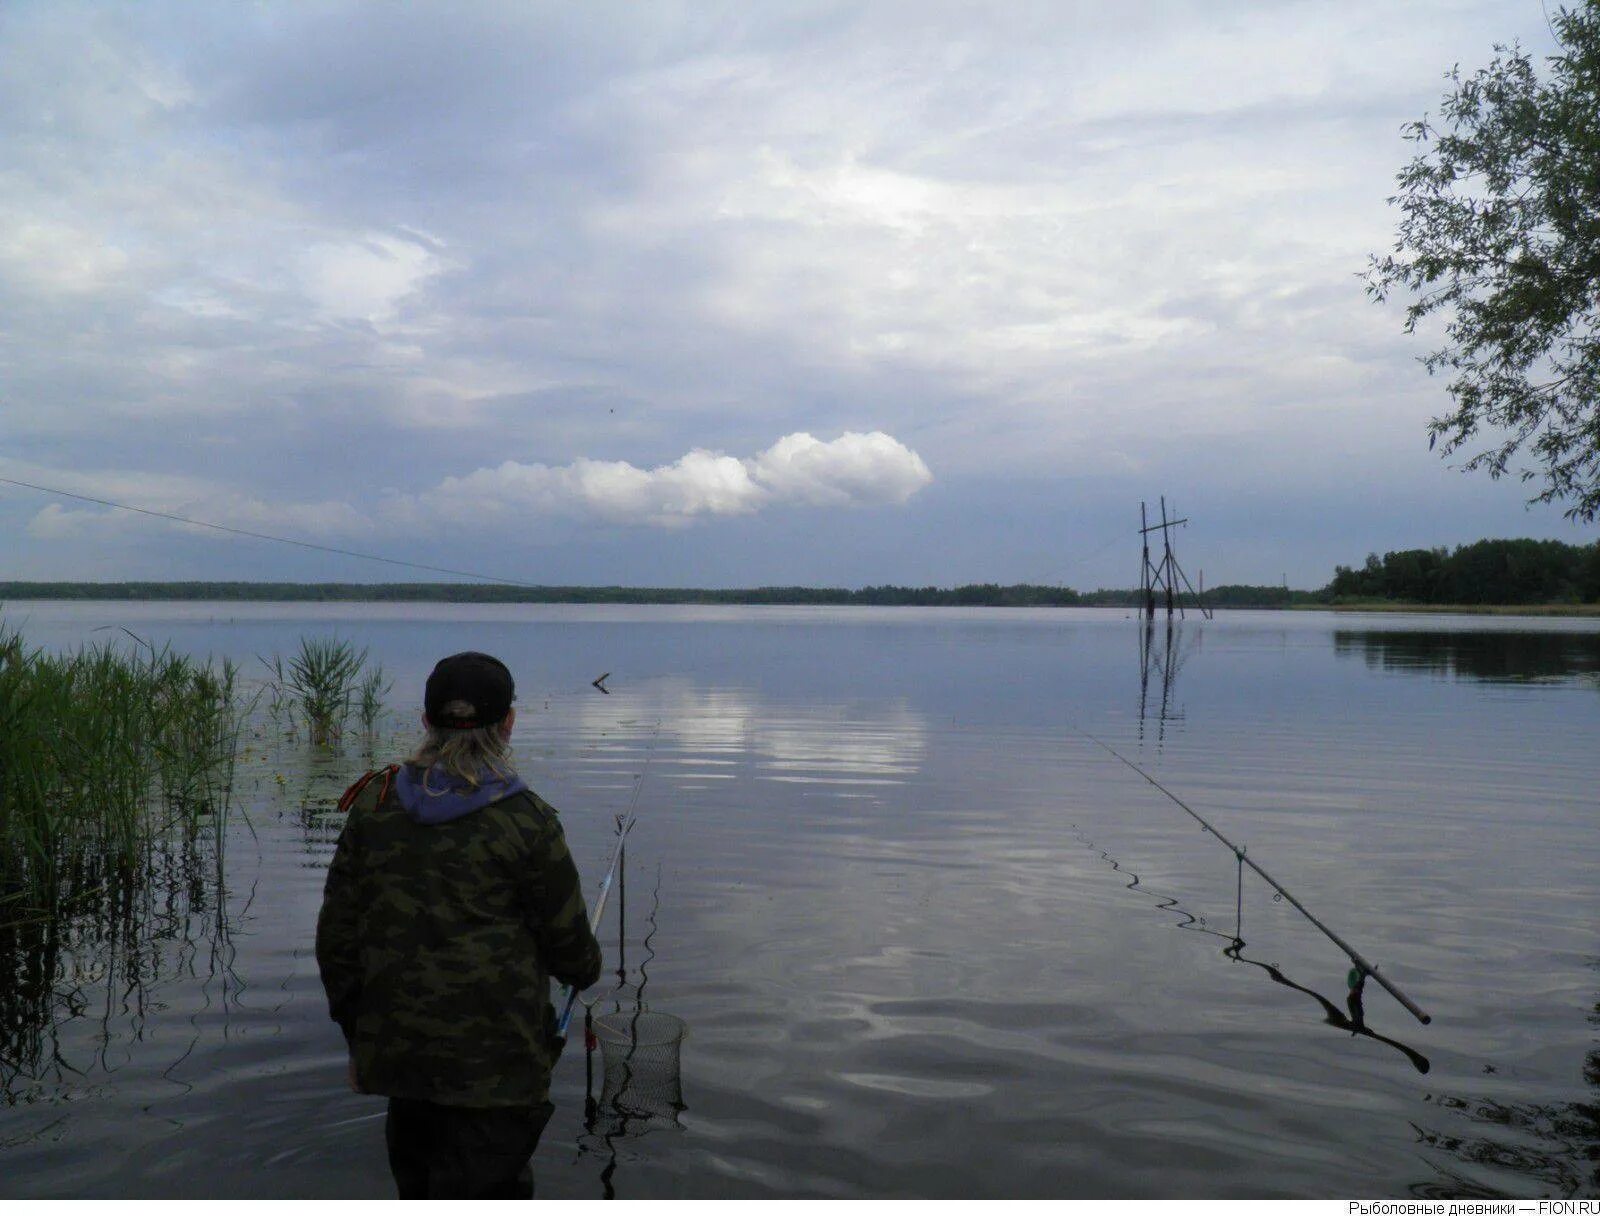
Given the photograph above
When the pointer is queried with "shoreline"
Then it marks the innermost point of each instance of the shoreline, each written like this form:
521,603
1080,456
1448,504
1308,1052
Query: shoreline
790,597
1392,607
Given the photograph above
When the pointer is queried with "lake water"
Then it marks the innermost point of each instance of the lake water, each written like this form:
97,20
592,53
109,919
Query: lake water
928,936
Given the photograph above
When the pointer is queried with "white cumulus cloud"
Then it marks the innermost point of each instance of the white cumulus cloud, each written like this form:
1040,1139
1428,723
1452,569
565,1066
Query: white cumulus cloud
856,469
853,470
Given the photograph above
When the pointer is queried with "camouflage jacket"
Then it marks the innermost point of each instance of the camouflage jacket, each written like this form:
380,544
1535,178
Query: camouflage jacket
437,942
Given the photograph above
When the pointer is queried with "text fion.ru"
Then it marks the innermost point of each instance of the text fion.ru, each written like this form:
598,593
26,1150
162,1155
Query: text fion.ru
1478,1207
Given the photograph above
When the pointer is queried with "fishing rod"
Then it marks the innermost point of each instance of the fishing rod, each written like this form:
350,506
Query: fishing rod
1354,1021
624,826
1365,968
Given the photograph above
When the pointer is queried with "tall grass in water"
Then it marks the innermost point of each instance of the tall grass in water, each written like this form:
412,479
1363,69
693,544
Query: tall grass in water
116,779
102,751
116,772
324,684
375,688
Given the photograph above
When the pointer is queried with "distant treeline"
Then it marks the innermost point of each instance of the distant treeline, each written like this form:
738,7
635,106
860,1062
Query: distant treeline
1487,572
988,595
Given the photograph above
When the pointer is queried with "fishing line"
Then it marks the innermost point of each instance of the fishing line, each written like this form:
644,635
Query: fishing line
300,544
282,540
1365,968
1078,561
1353,1022
335,549
625,824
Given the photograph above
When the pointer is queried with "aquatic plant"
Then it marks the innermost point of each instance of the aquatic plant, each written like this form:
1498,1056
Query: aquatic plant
117,771
323,683
374,690
117,764
103,751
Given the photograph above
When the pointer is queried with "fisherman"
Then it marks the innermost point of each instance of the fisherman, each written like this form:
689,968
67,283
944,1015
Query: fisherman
450,903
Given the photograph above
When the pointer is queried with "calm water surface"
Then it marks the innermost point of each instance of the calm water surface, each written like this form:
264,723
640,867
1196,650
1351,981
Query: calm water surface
928,937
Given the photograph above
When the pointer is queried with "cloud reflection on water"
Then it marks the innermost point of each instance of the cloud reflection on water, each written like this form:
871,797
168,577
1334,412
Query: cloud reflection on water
708,733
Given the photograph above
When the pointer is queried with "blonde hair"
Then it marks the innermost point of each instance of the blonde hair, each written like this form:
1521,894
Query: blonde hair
469,755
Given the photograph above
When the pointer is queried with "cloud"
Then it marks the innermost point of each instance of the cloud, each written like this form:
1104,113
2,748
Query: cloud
1049,243
55,522
365,279
854,470
57,257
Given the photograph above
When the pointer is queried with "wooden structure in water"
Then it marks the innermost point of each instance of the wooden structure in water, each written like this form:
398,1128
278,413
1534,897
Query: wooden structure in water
1163,576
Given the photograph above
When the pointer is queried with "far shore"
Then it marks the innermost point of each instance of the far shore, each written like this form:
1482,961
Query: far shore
979,595
1461,609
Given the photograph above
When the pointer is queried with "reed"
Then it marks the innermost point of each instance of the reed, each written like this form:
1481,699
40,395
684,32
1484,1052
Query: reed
117,769
374,691
107,751
323,684
102,753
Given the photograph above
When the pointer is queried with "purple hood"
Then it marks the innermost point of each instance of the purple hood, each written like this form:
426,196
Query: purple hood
436,796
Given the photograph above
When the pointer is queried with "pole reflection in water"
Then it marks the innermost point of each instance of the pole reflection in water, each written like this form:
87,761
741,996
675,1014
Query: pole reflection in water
641,1085
1353,1021
1165,660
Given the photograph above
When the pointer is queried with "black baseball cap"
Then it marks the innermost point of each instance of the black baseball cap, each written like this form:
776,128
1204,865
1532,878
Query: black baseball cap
481,680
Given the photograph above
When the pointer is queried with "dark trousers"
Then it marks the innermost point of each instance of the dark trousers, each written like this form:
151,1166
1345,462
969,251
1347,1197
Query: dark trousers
459,1152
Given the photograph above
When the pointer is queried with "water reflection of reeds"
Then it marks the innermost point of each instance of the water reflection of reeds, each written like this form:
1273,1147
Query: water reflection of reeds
117,775
116,769
114,935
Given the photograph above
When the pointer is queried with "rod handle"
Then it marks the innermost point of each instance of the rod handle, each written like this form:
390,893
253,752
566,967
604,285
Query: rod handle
565,1021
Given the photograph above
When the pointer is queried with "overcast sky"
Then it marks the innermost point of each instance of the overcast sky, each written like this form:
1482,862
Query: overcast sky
721,294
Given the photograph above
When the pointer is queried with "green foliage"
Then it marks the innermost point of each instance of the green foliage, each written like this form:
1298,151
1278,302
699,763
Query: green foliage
1485,572
323,684
1588,576
1240,595
102,752
374,688
1500,236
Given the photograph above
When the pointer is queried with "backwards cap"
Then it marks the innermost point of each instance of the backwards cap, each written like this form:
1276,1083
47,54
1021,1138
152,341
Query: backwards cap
481,680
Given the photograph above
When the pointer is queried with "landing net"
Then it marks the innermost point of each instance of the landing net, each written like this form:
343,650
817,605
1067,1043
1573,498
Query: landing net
642,1087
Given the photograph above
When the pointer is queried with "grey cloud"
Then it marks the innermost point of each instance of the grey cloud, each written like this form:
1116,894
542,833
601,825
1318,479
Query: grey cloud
334,249
854,470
